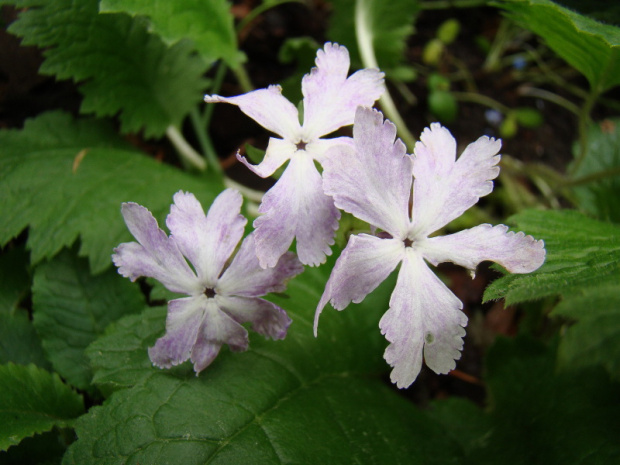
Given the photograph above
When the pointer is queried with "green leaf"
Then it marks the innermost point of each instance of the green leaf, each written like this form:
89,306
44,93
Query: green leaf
14,278
119,358
71,308
89,172
209,25
601,197
581,252
540,417
32,401
535,415
591,47
19,342
42,449
391,24
124,69
300,400
595,337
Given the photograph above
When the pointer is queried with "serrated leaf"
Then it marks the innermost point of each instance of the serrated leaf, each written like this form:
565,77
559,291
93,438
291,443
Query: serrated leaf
541,417
72,308
119,358
32,401
601,197
581,252
300,400
14,278
66,178
19,342
390,24
595,337
209,25
123,69
535,415
591,47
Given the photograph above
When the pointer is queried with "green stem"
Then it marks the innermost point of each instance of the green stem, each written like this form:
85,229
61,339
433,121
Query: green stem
584,119
482,100
528,91
200,128
251,16
367,52
215,89
599,175
445,4
185,150
243,78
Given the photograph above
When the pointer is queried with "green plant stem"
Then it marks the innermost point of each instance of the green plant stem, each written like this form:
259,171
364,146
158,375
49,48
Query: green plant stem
243,78
445,4
584,119
215,89
185,150
534,92
200,128
598,176
363,33
260,9
482,100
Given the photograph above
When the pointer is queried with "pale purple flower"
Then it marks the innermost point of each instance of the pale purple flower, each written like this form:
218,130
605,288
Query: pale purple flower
221,296
296,207
374,180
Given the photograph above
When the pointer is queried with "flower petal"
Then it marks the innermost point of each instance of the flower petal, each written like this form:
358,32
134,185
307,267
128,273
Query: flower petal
278,151
444,188
269,108
267,318
365,263
182,324
424,316
372,182
245,277
516,252
156,256
296,207
330,99
207,241
217,328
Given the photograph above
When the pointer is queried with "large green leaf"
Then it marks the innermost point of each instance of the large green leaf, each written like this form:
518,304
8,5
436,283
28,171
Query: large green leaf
32,401
72,307
19,342
65,178
535,415
390,24
601,197
124,69
301,400
591,47
595,337
208,24
14,278
581,252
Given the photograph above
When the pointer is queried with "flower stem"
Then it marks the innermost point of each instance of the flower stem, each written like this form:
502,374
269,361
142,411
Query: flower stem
482,100
445,4
185,150
363,33
584,119
243,78
200,128
534,92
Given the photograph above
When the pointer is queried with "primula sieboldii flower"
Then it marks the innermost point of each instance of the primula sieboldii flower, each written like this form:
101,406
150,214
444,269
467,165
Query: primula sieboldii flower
374,181
220,297
296,207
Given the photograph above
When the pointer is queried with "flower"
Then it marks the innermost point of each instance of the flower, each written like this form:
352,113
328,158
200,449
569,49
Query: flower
296,207
374,181
220,298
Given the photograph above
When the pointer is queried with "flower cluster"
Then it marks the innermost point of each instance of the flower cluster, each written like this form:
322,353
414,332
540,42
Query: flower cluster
406,198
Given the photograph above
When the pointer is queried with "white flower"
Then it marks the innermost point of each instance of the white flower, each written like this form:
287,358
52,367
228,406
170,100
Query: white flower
374,180
220,297
296,207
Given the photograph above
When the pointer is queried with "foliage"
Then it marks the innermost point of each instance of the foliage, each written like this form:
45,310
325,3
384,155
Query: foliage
151,92
74,333
89,172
